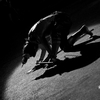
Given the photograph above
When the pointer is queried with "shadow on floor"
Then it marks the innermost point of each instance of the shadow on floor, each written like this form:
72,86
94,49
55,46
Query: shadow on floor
90,53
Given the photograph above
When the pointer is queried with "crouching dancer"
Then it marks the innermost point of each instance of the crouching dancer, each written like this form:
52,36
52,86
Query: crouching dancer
55,26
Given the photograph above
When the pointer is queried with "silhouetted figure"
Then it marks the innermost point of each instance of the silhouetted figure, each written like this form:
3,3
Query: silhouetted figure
48,33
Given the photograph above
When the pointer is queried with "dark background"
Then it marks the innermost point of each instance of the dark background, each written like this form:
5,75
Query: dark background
18,16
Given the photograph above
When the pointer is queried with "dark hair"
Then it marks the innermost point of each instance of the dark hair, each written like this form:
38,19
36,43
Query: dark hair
31,49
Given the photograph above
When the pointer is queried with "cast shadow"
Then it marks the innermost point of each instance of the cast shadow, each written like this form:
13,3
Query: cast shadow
90,53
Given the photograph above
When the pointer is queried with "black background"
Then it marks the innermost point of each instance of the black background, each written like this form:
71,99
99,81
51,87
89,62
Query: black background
18,16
